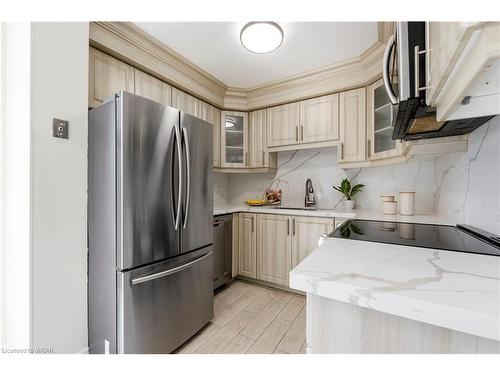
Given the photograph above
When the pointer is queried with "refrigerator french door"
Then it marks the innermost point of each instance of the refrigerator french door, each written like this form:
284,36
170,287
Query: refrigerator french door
150,252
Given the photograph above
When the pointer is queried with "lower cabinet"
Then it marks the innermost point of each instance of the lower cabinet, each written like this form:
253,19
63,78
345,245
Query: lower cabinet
273,248
247,245
305,234
271,245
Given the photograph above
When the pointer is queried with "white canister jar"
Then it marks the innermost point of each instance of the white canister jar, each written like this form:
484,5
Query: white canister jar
407,203
390,208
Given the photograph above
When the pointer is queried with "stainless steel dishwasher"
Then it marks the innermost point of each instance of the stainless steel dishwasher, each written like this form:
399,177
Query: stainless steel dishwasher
222,249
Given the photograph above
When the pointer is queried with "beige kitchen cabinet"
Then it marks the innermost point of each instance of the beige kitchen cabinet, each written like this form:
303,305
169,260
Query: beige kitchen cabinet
463,62
152,88
319,119
277,243
379,124
234,146
445,43
211,114
185,102
257,139
305,234
107,76
258,155
247,245
273,248
352,146
283,125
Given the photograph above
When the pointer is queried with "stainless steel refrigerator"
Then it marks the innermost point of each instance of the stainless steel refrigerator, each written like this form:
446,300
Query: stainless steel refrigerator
150,226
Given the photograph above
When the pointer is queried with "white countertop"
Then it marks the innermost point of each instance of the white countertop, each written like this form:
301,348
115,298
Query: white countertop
454,290
366,214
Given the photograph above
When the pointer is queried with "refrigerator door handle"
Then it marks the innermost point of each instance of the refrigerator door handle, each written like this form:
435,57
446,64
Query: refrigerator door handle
185,138
171,271
179,160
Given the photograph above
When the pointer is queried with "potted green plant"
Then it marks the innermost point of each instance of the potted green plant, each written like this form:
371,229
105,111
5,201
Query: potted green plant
348,191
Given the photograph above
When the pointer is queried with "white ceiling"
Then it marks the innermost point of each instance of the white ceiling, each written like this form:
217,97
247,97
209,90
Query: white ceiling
215,47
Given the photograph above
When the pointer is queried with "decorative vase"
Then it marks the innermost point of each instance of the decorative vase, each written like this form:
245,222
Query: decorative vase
348,205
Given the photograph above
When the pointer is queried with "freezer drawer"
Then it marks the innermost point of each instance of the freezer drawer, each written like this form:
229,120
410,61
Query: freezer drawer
163,305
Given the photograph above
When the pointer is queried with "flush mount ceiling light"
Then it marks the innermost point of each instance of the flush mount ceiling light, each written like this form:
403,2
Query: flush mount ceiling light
261,37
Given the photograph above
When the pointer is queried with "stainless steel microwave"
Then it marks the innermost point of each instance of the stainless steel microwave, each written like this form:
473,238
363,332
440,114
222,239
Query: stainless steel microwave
404,80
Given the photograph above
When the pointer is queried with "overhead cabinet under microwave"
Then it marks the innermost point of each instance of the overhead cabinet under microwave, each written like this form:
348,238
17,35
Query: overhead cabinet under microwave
404,69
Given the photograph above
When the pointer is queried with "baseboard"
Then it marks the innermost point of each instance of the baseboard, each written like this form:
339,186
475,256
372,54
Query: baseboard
84,350
268,284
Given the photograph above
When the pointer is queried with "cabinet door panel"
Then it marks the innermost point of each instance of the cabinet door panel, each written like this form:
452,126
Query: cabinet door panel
319,119
352,126
234,144
273,248
257,138
247,245
445,43
211,114
152,88
305,234
185,102
107,76
379,124
283,125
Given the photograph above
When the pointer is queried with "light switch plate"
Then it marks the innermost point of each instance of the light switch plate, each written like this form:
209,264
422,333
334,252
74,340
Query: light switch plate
60,128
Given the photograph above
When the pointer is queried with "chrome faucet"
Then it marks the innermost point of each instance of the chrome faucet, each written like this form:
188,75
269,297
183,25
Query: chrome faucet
310,198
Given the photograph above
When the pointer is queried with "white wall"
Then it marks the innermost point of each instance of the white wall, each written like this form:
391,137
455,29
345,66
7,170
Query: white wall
295,167
56,185
467,184
59,211
16,167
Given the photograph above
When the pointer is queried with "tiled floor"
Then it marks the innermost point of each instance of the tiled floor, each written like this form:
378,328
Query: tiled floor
250,318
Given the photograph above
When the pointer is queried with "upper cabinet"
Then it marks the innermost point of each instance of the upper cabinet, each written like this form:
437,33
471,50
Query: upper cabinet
283,125
234,149
352,147
379,124
211,114
152,88
463,62
257,140
305,124
185,102
319,119
107,76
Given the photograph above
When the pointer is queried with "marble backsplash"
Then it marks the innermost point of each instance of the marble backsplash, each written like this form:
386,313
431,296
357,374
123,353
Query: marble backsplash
464,186
467,184
320,165
221,189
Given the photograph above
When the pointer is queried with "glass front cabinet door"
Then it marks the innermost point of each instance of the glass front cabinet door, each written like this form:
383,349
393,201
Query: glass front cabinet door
380,144
234,143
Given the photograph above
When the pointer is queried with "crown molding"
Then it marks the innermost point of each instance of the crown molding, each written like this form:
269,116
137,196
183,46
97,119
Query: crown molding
129,43
342,76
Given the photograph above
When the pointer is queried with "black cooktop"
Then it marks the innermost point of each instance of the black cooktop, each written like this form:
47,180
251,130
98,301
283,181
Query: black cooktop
461,238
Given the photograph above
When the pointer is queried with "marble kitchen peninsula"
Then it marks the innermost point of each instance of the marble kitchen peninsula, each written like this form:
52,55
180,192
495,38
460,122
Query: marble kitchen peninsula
367,297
